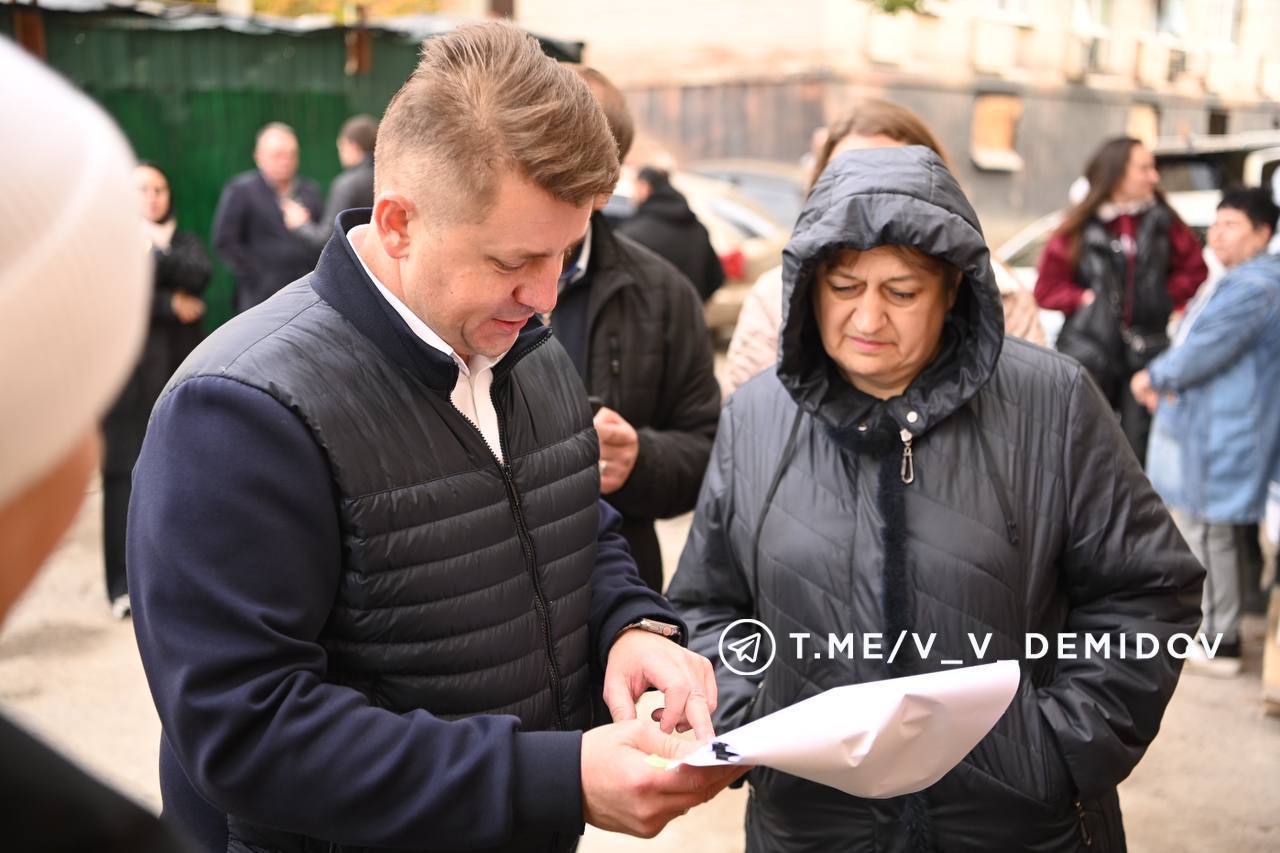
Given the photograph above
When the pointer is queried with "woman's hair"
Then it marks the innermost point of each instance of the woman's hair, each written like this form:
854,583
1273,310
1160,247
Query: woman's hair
874,117
168,213
1105,171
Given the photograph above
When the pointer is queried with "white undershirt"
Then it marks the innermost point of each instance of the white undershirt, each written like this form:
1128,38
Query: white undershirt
471,393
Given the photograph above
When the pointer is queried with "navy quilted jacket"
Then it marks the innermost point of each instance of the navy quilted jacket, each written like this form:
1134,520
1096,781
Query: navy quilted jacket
1027,513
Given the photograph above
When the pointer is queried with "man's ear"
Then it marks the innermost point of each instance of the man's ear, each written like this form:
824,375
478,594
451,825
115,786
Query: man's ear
392,213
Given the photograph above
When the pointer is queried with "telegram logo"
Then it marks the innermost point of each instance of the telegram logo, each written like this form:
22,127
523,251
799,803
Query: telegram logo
747,647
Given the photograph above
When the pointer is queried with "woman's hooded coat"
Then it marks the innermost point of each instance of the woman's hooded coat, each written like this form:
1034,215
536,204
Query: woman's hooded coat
1026,513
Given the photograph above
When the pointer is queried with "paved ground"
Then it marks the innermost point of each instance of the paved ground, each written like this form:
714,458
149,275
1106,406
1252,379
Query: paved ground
1211,781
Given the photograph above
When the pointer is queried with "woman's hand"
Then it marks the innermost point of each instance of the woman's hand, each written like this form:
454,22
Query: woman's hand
1086,298
187,308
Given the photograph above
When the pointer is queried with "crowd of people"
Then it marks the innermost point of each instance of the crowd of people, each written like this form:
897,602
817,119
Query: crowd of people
387,536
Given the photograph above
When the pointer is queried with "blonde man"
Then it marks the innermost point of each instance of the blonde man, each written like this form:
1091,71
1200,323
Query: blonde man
374,609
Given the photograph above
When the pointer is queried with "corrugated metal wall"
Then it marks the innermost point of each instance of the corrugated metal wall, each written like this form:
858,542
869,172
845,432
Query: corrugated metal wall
192,100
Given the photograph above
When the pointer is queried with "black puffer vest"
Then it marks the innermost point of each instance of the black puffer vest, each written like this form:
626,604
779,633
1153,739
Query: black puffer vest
457,595
1103,262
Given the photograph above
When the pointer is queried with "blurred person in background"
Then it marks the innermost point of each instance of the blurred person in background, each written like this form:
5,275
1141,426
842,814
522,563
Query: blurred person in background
74,287
634,329
664,223
182,271
1118,266
254,225
870,123
1215,439
910,468
351,189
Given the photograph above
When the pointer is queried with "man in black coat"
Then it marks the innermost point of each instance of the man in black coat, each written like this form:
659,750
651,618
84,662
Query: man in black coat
376,608
351,189
664,223
250,234
634,328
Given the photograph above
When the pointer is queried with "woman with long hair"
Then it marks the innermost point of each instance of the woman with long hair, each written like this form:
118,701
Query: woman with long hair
1119,264
182,272
869,123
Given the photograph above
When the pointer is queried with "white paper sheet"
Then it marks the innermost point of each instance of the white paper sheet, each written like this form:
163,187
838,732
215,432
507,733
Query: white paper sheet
880,739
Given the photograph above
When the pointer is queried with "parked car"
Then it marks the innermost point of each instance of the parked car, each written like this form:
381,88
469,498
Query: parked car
746,237
1202,162
778,187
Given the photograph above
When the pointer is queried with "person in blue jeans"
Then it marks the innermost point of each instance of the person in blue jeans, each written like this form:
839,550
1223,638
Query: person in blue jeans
1216,436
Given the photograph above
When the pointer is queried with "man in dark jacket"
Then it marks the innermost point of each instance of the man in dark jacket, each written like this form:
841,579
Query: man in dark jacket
250,234
375,608
634,329
351,189
909,470
664,223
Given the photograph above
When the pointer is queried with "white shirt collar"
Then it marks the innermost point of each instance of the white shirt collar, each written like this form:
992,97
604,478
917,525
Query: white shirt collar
416,323
584,256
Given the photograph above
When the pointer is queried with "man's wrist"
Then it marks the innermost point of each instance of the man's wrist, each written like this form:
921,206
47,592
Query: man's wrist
654,626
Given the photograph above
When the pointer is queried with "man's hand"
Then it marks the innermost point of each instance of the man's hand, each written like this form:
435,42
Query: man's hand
640,660
186,308
1140,386
622,792
295,215
619,447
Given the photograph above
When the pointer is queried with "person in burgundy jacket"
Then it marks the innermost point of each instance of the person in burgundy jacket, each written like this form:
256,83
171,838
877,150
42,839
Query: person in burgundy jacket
1119,265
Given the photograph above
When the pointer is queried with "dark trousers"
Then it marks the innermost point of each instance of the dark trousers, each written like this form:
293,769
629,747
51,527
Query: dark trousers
116,489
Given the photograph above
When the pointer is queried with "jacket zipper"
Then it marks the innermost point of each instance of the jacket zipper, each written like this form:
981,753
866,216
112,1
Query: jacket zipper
908,463
615,370
1084,830
531,562
526,545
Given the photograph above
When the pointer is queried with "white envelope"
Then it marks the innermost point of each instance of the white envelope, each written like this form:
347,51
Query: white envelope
880,739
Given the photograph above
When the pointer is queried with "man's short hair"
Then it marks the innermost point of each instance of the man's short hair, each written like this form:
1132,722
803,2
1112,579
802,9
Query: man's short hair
485,99
614,104
1255,203
361,130
273,126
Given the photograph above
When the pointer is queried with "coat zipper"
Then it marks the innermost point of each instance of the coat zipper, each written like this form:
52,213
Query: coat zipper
1084,829
615,371
908,463
526,545
531,562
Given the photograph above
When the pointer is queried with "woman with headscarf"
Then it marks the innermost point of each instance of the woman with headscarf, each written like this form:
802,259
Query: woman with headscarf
182,272
908,468
869,123
1119,264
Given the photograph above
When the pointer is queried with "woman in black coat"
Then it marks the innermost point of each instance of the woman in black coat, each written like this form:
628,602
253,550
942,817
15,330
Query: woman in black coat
182,273
908,468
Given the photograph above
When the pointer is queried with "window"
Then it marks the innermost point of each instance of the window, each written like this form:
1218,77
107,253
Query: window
1222,22
993,138
1218,121
1144,123
1171,17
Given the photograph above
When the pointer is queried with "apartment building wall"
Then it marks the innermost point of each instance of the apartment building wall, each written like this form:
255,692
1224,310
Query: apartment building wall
711,78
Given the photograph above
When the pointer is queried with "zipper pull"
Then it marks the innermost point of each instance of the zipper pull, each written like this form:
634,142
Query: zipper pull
908,464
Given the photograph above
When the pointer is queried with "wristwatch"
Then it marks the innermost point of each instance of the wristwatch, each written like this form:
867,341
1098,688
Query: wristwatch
655,626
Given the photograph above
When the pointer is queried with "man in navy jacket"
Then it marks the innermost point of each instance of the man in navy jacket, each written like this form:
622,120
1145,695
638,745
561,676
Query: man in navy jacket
374,587
252,230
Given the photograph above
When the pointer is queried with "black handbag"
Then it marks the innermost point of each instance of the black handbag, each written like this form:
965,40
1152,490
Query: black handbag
1092,336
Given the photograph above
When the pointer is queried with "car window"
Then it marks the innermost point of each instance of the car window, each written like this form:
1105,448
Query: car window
750,223
1189,176
1029,255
